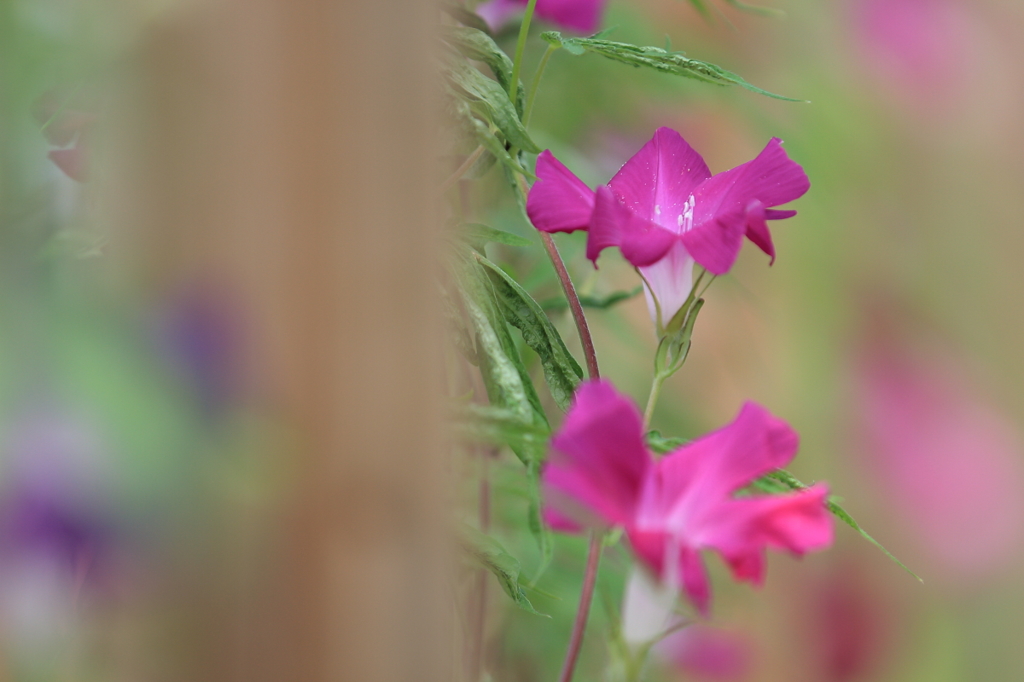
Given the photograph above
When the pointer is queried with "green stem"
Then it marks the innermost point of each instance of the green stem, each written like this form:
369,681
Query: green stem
652,399
535,84
524,30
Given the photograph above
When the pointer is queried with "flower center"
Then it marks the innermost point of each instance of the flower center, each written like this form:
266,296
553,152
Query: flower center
685,219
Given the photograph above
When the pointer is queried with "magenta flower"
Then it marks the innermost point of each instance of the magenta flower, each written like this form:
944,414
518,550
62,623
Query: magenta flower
579,16
665,211
601,474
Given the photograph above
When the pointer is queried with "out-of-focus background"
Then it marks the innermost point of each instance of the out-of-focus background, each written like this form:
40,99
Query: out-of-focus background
141,461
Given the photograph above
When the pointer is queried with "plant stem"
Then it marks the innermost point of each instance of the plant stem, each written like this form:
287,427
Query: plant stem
461,170
574,305
652,399
480,615
524,30
531,95
583,611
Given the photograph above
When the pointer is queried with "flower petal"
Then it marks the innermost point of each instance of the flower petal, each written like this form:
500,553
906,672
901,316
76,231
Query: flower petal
612,224
716,243
670,281
559,201
742,529
582,16
696,478
657,181
598,460
736,202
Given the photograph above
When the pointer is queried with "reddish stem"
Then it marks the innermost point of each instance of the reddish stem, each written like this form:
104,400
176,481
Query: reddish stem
574,305
586,597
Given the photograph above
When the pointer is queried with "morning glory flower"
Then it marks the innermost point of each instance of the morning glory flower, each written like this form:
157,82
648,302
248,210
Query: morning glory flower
578,16
601,474
666,212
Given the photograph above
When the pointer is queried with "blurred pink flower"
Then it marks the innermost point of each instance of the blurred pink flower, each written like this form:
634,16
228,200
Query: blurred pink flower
579,16
849,626
665,211
709,654
67,129
601,474
951,463
917,44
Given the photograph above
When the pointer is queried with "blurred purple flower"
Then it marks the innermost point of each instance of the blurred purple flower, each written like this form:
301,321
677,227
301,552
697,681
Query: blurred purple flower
200,337
950,462
54,493
579,16
600,473
665,211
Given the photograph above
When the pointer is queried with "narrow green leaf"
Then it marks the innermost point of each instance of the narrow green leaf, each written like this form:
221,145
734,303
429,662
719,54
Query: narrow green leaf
757,9
561,371
504,374
485,134
477,45
656,58
489,553
598,302
499,426
541,533
490,101
662,444
786,481
465,17
477,234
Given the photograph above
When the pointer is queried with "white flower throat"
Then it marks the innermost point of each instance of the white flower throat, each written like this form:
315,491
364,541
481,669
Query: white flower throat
685,219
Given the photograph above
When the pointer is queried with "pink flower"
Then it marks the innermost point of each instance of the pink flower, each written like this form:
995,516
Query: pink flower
67,130
580,16
665,211
948,458
601,474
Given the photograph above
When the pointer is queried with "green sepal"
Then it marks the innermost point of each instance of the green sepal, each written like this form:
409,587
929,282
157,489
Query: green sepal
490,554
561,371
656,58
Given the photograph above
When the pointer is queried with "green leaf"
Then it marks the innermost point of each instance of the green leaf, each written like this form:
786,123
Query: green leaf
783,481
541,533
486,135
504,374
757,9
656,58
477,45
561,371
477,234
465,17
662,444
489,553
598,302
490,101
500,426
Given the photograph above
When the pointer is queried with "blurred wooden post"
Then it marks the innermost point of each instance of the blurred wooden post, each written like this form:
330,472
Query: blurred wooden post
290,147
